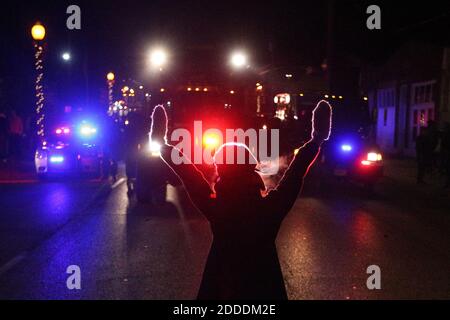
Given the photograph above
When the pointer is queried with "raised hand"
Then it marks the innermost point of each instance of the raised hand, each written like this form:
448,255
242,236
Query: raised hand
321,122
158,131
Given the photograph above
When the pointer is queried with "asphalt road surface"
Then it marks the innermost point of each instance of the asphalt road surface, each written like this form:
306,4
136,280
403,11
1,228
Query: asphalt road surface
127,250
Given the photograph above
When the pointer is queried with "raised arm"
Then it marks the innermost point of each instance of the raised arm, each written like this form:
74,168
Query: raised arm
193,180
290,185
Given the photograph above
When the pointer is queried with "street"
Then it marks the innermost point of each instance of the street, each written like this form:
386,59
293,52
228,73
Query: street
127,250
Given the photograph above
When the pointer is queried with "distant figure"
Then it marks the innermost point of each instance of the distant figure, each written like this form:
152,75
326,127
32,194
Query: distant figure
434,138
243,261
445,150
15,135
134,135
424,154
3,137
111,151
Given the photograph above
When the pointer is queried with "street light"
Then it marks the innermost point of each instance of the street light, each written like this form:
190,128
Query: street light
110,82
158,58
38,32
110,76
239,60
38,35
66,56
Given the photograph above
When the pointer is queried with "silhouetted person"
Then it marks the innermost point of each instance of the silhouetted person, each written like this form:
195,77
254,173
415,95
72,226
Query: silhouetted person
3,137
424,154
15,135
111,150
243,261
134,135
445,149
434,136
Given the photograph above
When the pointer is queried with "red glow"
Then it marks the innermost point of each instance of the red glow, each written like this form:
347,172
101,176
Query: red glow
62,130
366,163
211,141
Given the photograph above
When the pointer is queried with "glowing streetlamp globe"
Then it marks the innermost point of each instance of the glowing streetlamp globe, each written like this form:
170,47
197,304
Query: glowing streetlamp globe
110,76
66,56
158,58
239,60
38,32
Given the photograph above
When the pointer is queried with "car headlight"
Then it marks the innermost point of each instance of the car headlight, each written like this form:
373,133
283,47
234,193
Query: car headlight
87,130
154,148
374,156
56,159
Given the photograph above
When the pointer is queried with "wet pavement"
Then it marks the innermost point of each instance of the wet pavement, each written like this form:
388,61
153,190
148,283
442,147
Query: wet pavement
127,250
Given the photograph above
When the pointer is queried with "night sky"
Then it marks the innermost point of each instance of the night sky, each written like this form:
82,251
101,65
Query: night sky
116,35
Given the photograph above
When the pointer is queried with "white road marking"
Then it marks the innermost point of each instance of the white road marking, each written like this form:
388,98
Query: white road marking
11,263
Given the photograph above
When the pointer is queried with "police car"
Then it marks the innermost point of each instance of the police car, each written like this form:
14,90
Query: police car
69,148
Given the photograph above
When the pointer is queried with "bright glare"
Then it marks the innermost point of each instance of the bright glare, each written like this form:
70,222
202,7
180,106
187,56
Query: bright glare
366,163
38,32
56,159
264,127
211,141
346,147
155,148
239,60
158,58
66,56
373,156
110,76
87,130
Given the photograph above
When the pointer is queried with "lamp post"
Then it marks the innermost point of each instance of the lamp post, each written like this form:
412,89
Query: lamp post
110,81
38,34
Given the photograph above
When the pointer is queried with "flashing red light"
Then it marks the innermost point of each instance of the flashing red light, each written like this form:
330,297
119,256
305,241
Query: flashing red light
62,130
366,162
211,141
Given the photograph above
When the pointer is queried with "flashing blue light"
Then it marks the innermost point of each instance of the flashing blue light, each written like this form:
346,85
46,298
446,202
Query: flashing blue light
56,159
346,148
87,130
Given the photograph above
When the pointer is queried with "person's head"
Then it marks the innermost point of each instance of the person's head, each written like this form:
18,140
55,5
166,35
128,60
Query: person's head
236,169
424,131
432,125
446,127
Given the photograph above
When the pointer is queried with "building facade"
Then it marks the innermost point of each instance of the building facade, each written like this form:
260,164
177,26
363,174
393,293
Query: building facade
406,92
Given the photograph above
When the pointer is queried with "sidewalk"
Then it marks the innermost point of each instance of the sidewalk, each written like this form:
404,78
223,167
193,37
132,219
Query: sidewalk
22,172
404,172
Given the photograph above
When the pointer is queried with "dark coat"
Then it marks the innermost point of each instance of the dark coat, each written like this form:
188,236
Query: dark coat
243,261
